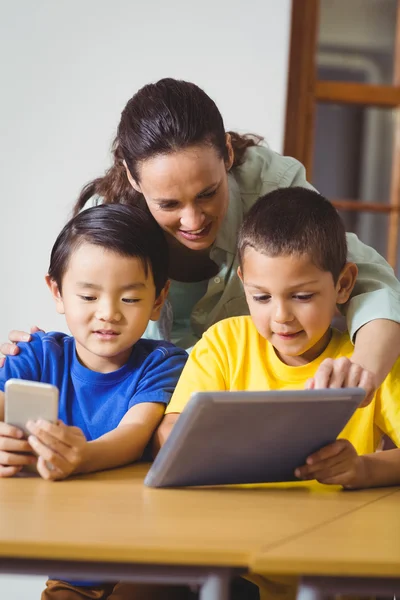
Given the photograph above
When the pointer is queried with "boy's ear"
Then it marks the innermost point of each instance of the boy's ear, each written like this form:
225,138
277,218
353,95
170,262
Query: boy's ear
159,303
346,282
240,274
55,292
132,181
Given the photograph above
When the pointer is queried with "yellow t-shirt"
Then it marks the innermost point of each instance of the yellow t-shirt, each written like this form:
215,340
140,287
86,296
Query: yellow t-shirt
233,356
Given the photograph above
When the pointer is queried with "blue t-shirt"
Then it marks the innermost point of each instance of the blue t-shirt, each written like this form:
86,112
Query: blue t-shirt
96,402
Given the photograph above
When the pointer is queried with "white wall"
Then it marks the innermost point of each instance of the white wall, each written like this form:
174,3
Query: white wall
67,70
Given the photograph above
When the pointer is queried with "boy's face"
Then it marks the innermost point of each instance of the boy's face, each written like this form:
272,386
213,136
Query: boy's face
107,301
292,302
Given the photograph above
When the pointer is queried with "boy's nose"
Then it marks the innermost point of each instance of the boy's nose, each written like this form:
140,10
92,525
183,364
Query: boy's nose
282,314
108,312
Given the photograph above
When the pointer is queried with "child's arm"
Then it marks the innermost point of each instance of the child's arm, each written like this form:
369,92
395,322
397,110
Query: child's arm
126,443
339,464
163,431
63,450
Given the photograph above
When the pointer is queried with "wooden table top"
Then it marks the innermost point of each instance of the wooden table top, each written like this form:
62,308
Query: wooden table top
112,516
363,542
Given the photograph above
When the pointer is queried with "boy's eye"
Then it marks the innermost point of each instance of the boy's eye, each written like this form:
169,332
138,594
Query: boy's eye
87,298
262,298
130,300
303,297
207,195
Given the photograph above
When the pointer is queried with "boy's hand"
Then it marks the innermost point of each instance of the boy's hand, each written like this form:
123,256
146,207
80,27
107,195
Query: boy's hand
341,373
11,443
60,448
336,464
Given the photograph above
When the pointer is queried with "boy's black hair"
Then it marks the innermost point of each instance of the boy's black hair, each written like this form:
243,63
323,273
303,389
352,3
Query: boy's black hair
126,230
298,221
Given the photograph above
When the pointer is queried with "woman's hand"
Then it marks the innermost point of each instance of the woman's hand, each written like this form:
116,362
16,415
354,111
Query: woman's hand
12,445
336,464
60,448
10,348
343,372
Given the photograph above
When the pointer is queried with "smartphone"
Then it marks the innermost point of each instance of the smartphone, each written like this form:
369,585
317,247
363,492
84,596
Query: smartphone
29,401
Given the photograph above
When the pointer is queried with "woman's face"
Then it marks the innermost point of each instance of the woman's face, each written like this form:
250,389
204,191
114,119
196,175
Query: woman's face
187,193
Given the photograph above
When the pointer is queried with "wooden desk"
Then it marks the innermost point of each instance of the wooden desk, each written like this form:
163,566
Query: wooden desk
110,527
358,552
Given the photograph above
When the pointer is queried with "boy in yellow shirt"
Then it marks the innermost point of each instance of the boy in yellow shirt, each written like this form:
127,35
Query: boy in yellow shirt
292,262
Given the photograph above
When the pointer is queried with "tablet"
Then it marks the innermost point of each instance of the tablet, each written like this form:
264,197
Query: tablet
250,437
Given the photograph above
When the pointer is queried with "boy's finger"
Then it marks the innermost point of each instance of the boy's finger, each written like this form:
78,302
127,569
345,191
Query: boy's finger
42,468
47,439
9,471
8,444
10,431
10,459
326,452
341,475
62,454
68,436
47,470
58,431
48,433
53,446
337,480
326,468
49,454
329,476
67,432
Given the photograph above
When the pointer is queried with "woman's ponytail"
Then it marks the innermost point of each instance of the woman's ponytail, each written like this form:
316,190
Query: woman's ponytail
240,143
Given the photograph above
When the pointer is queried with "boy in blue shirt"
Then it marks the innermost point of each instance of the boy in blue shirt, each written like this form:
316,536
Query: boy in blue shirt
108,275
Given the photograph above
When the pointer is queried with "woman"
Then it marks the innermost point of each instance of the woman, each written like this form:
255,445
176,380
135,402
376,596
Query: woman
173,156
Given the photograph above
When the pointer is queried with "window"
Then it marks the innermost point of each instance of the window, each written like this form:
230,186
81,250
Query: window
343,111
